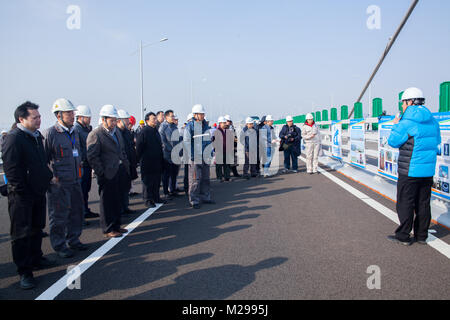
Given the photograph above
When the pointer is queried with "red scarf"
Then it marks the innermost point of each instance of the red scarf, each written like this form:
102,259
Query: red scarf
313,123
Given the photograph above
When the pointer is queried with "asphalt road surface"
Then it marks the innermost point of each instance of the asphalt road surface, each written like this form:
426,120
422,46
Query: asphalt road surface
287,237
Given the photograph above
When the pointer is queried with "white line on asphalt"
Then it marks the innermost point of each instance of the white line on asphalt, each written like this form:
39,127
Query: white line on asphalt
59,286
432,241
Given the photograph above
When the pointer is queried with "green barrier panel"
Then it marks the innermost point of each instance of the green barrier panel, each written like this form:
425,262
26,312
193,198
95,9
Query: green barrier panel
325,118
377,110
334,114
400,103
358,114
444,97
344,116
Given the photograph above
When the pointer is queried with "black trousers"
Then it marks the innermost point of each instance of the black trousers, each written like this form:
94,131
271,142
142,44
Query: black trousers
111,200
413,196
186,178
151,181
27,214
169,178
86,183
247,166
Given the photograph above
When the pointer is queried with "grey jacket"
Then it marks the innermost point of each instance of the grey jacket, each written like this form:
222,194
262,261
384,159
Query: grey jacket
166,131
103,153
60,147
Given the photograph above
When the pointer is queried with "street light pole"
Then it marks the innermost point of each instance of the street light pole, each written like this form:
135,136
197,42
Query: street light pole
142,80
141,67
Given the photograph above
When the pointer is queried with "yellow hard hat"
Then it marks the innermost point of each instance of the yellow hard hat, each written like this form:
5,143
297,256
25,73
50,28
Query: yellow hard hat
142,122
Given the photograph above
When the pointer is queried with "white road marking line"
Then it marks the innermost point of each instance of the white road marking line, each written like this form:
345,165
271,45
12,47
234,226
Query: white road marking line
59,286
432,241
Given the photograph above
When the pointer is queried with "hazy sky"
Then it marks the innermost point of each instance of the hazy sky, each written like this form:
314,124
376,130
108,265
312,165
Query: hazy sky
236,57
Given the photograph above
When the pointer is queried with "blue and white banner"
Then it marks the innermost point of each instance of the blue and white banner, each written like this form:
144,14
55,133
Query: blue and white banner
357,143
387,156
336,130
441,181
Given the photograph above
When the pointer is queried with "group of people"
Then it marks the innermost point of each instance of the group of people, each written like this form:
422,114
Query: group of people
55,169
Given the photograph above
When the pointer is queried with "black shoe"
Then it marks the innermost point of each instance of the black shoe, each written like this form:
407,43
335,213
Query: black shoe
209,202
44,234
196,206
394,239
79,247
246,176
221,180
85,223
65,253
168,197
91,215
150,204
173,194
133,194
44,263
27,281
128,211
161,201
422,242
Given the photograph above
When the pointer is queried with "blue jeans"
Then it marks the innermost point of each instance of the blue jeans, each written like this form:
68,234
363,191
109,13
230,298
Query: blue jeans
266,165
288,155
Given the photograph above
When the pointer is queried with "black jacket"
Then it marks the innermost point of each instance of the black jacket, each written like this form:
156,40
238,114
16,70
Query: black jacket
83,133
25,163
130,150
149,150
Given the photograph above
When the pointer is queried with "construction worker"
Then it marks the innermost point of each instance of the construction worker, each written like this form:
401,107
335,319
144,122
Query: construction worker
150,155
311,137
233,166
417,134
249,139
83,128
130,149
221,148
168,131
141,126
28,176
291,137
65,196
107,156
185,158
267,138
196,139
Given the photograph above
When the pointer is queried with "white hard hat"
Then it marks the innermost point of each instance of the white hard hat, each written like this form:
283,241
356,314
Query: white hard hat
62,105
122,114
248,120
108,111
190,116
4,131
221,119
309,116
269,118
289,118
227,117
412,93
83,111
198,108
175,117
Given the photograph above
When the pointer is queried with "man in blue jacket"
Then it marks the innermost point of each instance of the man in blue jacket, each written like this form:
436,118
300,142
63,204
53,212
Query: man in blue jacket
196,139
417,135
